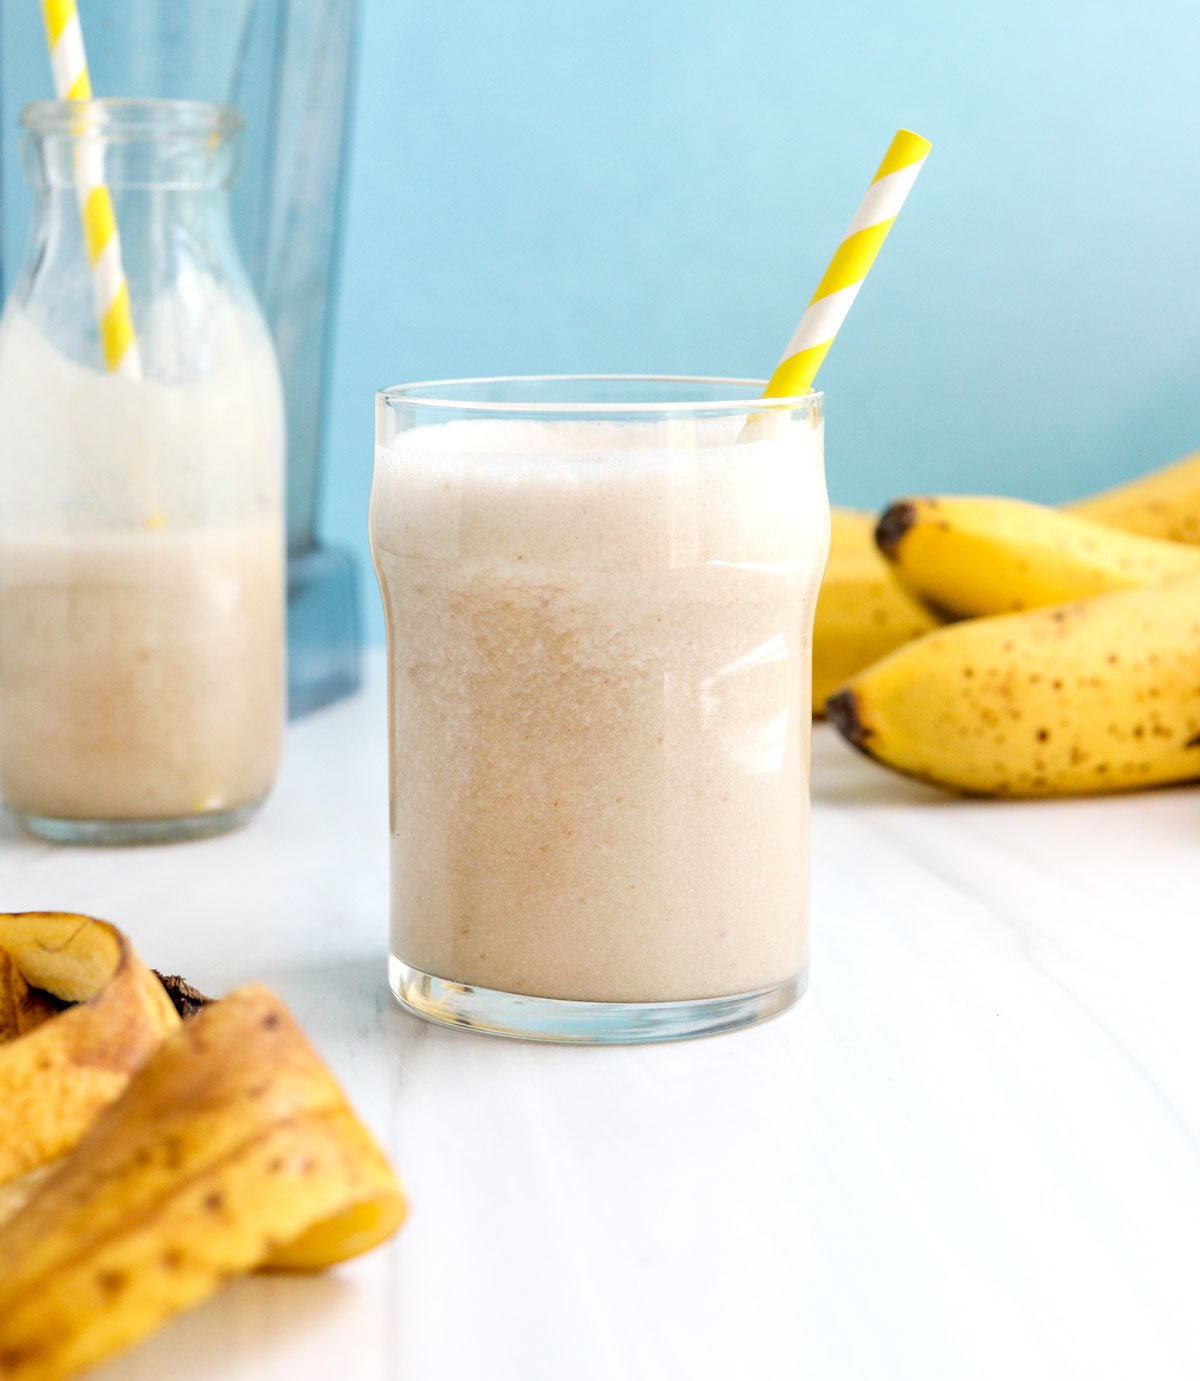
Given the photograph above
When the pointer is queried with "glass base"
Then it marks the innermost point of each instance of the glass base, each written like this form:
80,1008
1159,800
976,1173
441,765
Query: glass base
164,830
583,1023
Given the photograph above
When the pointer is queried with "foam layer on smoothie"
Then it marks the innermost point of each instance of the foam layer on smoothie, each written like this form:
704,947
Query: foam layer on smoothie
600,703
599,496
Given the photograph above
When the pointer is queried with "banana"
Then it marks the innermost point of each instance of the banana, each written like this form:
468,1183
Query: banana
1165,503
233,1147
863,612
1093,696
974,555
59,1068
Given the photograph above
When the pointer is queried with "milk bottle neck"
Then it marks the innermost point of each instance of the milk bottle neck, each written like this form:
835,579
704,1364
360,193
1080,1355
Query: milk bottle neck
146,146
161,172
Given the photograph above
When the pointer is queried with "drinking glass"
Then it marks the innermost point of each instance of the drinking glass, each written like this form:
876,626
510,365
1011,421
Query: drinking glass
599,595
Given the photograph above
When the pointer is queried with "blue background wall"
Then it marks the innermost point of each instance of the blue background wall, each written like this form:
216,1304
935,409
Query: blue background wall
552,185
544,185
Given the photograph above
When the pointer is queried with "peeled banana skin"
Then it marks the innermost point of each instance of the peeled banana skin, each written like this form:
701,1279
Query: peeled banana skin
1093,696
1165,503
232,1148
975,555
863,611
59,1070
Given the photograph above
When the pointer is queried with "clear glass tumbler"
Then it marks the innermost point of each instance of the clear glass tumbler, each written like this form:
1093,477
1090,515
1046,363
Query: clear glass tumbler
599,595
141,510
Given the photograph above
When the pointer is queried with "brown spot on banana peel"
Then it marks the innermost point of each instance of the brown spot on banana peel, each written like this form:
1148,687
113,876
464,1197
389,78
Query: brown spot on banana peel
13,1357
895,521
842,711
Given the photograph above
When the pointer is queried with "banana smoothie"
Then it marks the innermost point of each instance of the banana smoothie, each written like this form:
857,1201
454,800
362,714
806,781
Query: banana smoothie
141,579
140,676
599,715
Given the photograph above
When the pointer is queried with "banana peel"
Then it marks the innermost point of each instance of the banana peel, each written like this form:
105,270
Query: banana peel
300,1183
17,1193
233,1148
60,1066
21,1007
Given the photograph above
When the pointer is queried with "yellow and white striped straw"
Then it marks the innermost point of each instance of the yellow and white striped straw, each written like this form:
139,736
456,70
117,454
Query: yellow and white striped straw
839,287
110,290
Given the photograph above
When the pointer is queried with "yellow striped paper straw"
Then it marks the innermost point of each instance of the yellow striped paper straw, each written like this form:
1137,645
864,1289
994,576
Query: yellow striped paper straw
850,264
68,60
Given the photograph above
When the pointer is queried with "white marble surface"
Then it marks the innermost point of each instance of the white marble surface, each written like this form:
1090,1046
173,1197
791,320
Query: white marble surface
971,1151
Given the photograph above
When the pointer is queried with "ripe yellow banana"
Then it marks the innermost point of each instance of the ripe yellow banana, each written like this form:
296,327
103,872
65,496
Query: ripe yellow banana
1165,503
863,611
1093,696
58,1069
975,555
232,1148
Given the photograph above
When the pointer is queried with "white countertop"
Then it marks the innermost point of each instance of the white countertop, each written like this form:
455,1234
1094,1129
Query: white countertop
972,1151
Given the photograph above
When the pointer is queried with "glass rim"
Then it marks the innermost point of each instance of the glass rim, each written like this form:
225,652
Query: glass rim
405,395
124,118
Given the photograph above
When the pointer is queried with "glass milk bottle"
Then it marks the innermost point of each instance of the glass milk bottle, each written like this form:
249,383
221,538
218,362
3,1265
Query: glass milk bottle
141,487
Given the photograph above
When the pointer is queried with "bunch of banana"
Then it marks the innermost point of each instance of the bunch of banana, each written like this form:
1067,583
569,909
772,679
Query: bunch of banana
863,611
1095,688
230,1148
